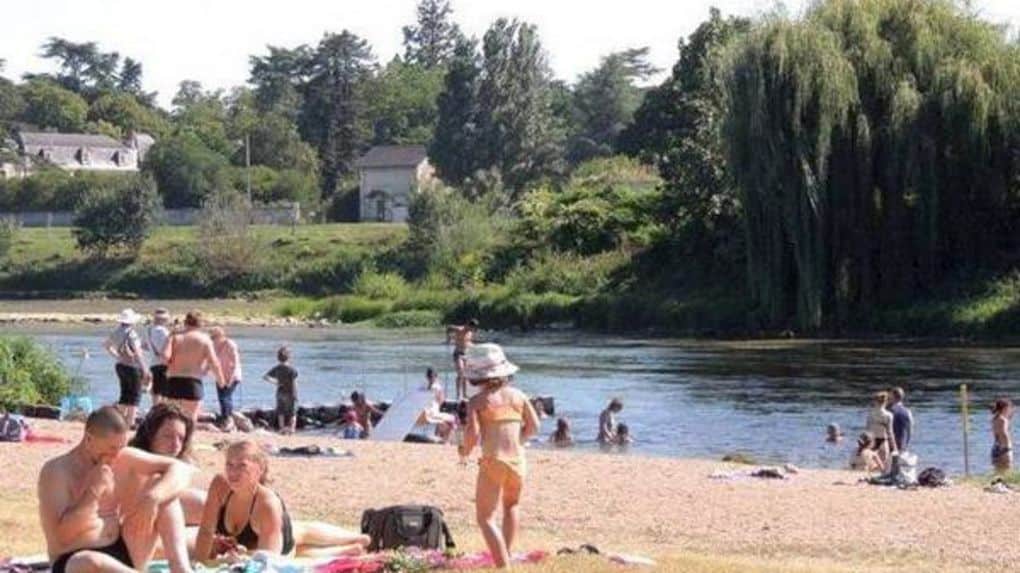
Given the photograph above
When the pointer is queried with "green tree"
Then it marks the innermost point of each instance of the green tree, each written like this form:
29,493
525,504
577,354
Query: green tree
453,150
431,43
678,129
204,114
48,105
279,79
605,100
124,111
334,112
185,170
84,68
116,219
871,143
12,105
517,132
31,374
402,103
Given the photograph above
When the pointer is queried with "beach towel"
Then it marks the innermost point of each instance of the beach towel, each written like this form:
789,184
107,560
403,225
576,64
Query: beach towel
309,451
417,560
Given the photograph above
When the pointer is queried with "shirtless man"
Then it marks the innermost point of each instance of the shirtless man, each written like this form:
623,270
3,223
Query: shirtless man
463,337
103,505
189,356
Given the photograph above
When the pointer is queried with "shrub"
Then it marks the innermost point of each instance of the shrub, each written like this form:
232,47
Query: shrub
8,235
226,247
29,373
453,236
423,298
410,319
376,285
566,273
352,308
295,308
331,276
117,218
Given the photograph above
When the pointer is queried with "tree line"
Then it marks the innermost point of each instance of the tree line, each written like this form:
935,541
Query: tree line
309,111
823,166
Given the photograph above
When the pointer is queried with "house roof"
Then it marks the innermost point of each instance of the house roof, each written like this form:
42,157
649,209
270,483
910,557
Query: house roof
393,156
76,140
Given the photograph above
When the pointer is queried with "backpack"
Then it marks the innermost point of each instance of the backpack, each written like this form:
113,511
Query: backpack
406,526
932,477
13,428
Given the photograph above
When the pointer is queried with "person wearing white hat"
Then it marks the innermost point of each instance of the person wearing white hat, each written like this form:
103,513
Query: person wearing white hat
500,419
125,347
157,339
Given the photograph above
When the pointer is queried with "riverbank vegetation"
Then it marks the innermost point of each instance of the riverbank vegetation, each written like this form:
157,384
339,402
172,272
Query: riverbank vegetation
853,170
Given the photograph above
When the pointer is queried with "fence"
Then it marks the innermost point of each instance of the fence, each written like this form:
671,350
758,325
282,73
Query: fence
279,215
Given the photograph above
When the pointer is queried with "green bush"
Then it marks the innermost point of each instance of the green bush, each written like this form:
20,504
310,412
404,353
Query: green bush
377,285
160,279
423,298
295,308
351,308
8,235
29,373
410,319
566,273
450,235
117,218
338,274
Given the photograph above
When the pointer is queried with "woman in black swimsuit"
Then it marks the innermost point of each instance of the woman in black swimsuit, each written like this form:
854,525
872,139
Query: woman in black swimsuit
241,511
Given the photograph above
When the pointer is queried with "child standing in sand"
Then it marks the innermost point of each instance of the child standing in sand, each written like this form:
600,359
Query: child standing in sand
285,377
501,419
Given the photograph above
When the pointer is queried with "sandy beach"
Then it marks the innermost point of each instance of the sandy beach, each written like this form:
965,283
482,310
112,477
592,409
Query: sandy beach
668,509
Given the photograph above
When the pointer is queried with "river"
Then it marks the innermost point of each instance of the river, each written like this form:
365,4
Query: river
769,400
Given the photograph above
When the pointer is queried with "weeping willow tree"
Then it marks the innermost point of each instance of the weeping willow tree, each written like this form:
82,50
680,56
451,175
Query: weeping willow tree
875,146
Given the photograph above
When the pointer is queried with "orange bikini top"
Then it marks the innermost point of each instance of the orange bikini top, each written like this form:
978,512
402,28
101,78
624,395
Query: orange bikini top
503,413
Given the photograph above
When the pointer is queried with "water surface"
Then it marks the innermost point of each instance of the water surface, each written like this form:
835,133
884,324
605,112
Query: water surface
682,398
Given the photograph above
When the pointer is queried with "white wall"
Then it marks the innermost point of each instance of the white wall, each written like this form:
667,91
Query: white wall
397,182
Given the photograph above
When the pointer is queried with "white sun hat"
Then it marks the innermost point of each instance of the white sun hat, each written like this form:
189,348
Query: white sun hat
128,316
487,361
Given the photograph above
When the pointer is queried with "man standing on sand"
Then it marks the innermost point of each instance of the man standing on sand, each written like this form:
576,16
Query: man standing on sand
102,505
125,347
902,421
463,336
190,355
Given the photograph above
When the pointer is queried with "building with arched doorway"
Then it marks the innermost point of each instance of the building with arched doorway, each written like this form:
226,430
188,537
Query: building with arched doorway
388,176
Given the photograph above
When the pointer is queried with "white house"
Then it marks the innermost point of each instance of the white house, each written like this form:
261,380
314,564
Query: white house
388,175
75,152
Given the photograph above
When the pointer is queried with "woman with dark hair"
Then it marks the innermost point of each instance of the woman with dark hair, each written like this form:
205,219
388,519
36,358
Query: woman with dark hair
167,431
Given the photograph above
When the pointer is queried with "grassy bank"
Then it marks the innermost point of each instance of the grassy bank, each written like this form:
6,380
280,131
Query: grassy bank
352,273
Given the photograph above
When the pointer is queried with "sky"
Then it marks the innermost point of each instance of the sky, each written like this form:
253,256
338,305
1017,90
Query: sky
210,40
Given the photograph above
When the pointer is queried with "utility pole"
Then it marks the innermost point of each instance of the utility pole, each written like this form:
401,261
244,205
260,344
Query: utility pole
247,164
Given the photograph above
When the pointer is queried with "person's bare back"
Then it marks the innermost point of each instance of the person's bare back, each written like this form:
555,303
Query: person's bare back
192,355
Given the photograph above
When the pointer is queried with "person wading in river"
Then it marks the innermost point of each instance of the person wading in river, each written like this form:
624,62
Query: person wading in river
463,336
190,355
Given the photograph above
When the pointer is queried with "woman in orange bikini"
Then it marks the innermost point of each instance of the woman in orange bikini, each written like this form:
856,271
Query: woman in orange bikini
502,420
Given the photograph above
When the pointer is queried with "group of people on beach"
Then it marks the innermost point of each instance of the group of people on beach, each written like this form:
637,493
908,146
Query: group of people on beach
116,501
889,428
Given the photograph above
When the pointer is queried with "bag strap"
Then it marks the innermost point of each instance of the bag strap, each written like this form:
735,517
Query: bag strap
449,538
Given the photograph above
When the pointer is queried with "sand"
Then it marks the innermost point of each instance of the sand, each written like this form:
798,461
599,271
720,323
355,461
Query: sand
652,506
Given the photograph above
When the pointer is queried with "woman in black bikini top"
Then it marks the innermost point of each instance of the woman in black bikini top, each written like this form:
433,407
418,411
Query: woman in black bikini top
266,525
247,536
